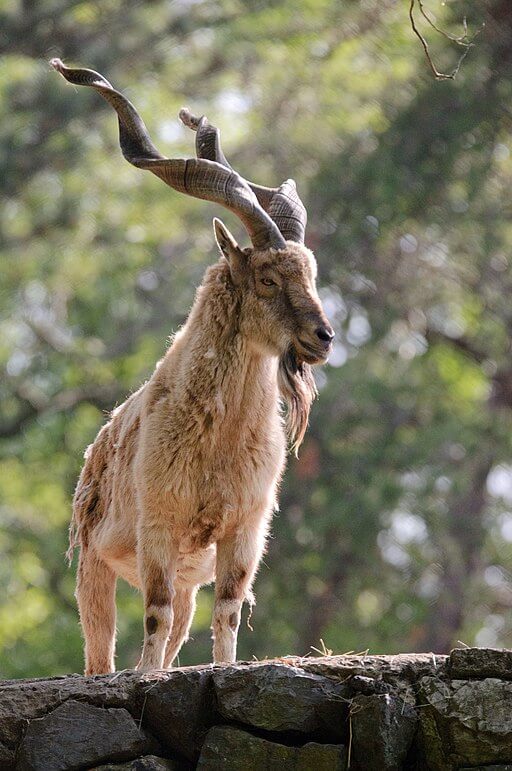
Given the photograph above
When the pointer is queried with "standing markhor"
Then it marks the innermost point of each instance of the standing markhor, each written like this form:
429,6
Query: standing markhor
179,486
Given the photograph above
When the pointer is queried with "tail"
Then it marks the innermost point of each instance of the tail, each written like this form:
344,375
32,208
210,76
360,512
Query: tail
88,508
86,512
87,500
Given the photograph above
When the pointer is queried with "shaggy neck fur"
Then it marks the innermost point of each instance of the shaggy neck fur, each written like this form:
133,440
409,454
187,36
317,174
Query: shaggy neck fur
224,374
226,379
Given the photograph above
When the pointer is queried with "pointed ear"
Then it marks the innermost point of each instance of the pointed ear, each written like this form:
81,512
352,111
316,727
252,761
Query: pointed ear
230,250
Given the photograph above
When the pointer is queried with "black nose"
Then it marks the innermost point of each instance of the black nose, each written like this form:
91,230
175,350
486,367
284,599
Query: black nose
325,334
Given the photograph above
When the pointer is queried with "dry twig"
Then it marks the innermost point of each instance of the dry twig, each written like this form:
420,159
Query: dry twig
461,40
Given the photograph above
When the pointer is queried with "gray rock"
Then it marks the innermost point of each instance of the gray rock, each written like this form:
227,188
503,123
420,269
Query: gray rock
278,697
6,758
146,763
465,723
78,735
382,729
369,686
477,663
231,749
400,669
23,700
488,768
179,707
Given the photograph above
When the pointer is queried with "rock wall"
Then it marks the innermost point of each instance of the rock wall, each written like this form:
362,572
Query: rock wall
311,714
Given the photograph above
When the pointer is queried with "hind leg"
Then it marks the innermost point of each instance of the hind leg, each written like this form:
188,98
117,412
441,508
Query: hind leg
184,607
95,593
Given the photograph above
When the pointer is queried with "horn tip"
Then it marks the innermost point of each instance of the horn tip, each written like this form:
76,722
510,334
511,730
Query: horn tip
188,119
57,64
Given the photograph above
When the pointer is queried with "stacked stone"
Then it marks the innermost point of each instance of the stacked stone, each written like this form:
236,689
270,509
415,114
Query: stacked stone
366,713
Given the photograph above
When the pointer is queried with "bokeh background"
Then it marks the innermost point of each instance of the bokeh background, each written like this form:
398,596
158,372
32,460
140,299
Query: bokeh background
395,528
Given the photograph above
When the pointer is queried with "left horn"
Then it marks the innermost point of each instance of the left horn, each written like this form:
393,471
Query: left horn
198,177
281,203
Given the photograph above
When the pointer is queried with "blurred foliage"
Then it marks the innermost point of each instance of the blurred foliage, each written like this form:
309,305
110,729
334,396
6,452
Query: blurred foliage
395,528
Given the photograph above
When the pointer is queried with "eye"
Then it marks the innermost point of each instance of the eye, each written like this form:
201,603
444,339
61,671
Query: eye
268,282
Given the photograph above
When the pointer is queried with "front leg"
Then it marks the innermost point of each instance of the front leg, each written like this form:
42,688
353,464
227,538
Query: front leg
238,557
157,568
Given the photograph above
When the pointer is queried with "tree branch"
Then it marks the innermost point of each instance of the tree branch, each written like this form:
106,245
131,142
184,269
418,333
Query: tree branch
462,343
462,40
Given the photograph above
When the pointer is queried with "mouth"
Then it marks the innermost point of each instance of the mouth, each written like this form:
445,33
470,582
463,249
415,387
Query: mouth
317,353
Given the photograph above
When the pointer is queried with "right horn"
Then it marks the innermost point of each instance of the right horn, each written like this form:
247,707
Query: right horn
198,177
281,203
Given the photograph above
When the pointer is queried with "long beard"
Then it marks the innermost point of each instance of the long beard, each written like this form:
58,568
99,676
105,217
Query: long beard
298,389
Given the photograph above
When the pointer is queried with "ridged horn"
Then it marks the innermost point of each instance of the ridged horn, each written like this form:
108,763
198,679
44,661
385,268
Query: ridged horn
281,203
197,177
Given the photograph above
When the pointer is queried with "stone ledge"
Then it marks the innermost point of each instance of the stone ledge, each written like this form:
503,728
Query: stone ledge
409,711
